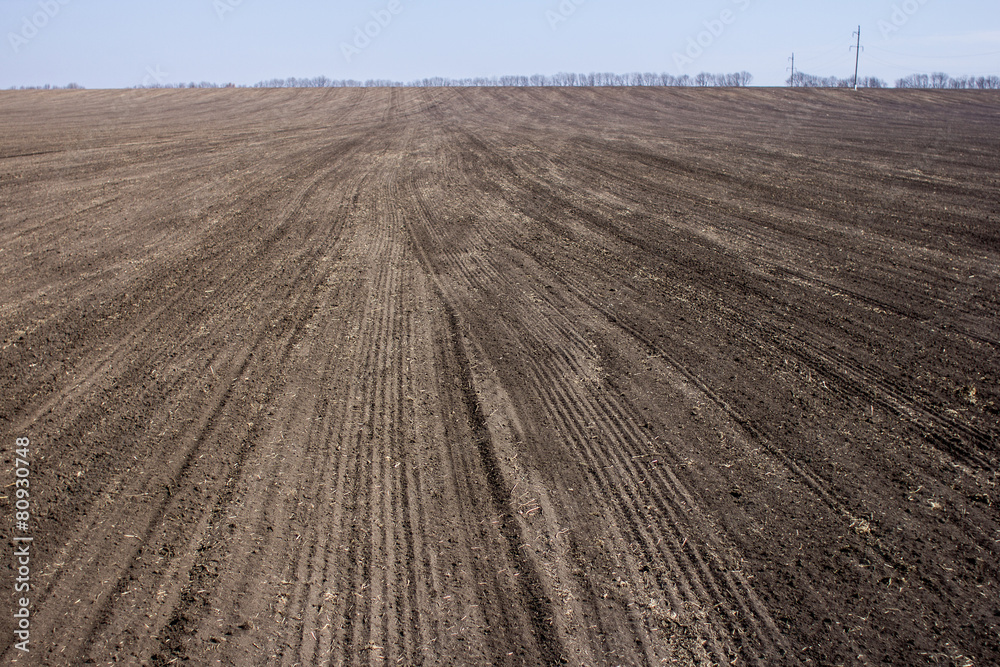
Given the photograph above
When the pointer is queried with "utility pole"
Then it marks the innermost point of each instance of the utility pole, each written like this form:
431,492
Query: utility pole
793,70
857,58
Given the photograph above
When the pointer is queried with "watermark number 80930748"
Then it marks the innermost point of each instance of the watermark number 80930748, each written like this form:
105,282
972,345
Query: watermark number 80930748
22,543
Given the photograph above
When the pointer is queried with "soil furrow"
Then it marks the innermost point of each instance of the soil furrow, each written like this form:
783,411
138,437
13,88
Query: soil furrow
502,376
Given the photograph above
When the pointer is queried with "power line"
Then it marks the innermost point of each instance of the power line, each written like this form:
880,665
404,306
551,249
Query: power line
924,70
910,55
904,67
819,65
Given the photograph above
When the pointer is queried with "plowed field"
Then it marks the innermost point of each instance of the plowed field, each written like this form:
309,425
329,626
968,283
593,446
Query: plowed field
502,376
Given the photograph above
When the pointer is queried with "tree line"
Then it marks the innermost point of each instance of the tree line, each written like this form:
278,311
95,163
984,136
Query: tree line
69,86
705,79
937,80
803,80
941,80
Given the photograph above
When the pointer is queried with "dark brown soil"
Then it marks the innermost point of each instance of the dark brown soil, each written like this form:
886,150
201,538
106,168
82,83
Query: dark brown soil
503,377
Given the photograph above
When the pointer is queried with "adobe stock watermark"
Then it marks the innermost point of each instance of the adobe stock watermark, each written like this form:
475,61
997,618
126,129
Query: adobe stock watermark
714,29
901,15
223,7
31,26
562,13
154,77
22,493
363,35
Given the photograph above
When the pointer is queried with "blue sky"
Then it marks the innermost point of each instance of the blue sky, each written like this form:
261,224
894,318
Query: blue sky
123,43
